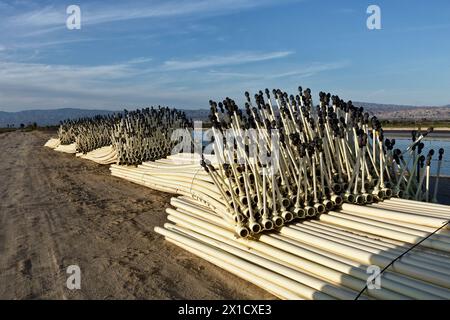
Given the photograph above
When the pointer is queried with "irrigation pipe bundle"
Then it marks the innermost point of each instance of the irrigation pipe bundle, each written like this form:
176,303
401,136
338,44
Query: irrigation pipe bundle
145,135
84,135
289,159
130,137
244,207
328,256
317,259
88,133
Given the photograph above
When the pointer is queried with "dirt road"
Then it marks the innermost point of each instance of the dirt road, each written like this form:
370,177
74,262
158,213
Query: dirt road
57,211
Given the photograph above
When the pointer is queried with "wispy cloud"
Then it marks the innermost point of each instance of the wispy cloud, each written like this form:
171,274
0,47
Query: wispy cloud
31,85
55,74
101,12
311,69
226,60
305,71
45,23
137,82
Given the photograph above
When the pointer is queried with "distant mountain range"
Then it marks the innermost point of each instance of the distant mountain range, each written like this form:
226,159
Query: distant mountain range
46,117
404,112
53,117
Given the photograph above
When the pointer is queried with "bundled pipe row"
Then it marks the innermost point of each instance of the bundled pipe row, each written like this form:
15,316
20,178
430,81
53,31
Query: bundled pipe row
87,134
288,158
127,138
94,133
324,258
146,135
330,257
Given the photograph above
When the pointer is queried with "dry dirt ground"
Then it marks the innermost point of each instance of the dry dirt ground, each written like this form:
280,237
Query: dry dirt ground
57,211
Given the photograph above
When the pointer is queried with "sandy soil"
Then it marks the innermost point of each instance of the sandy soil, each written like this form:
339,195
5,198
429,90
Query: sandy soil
56,211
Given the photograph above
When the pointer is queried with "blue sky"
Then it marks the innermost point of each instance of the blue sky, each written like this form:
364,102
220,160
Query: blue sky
184,53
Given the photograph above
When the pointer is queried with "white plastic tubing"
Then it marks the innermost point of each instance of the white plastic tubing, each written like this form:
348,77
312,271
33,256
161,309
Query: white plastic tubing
52,143
325,260
69,148
105,155
56,145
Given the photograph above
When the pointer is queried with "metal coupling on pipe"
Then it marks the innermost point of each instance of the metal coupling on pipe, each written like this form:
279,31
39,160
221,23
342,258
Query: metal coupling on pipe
287,216
310,211
278,221
320,208
255,227
360,199
349,198
368,198
242,231
299,213
328,205
337,200
267,224
387,192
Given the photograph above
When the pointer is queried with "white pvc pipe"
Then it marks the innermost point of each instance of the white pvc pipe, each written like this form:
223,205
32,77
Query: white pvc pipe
264,261
261,282
420,204
298,261
375,230
409,229
296,287
368,258
417,219
399,247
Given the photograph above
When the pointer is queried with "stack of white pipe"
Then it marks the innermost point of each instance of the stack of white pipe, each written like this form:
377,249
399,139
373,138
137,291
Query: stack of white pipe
327,258
67,148
105,155
52,143
324,259
178,174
